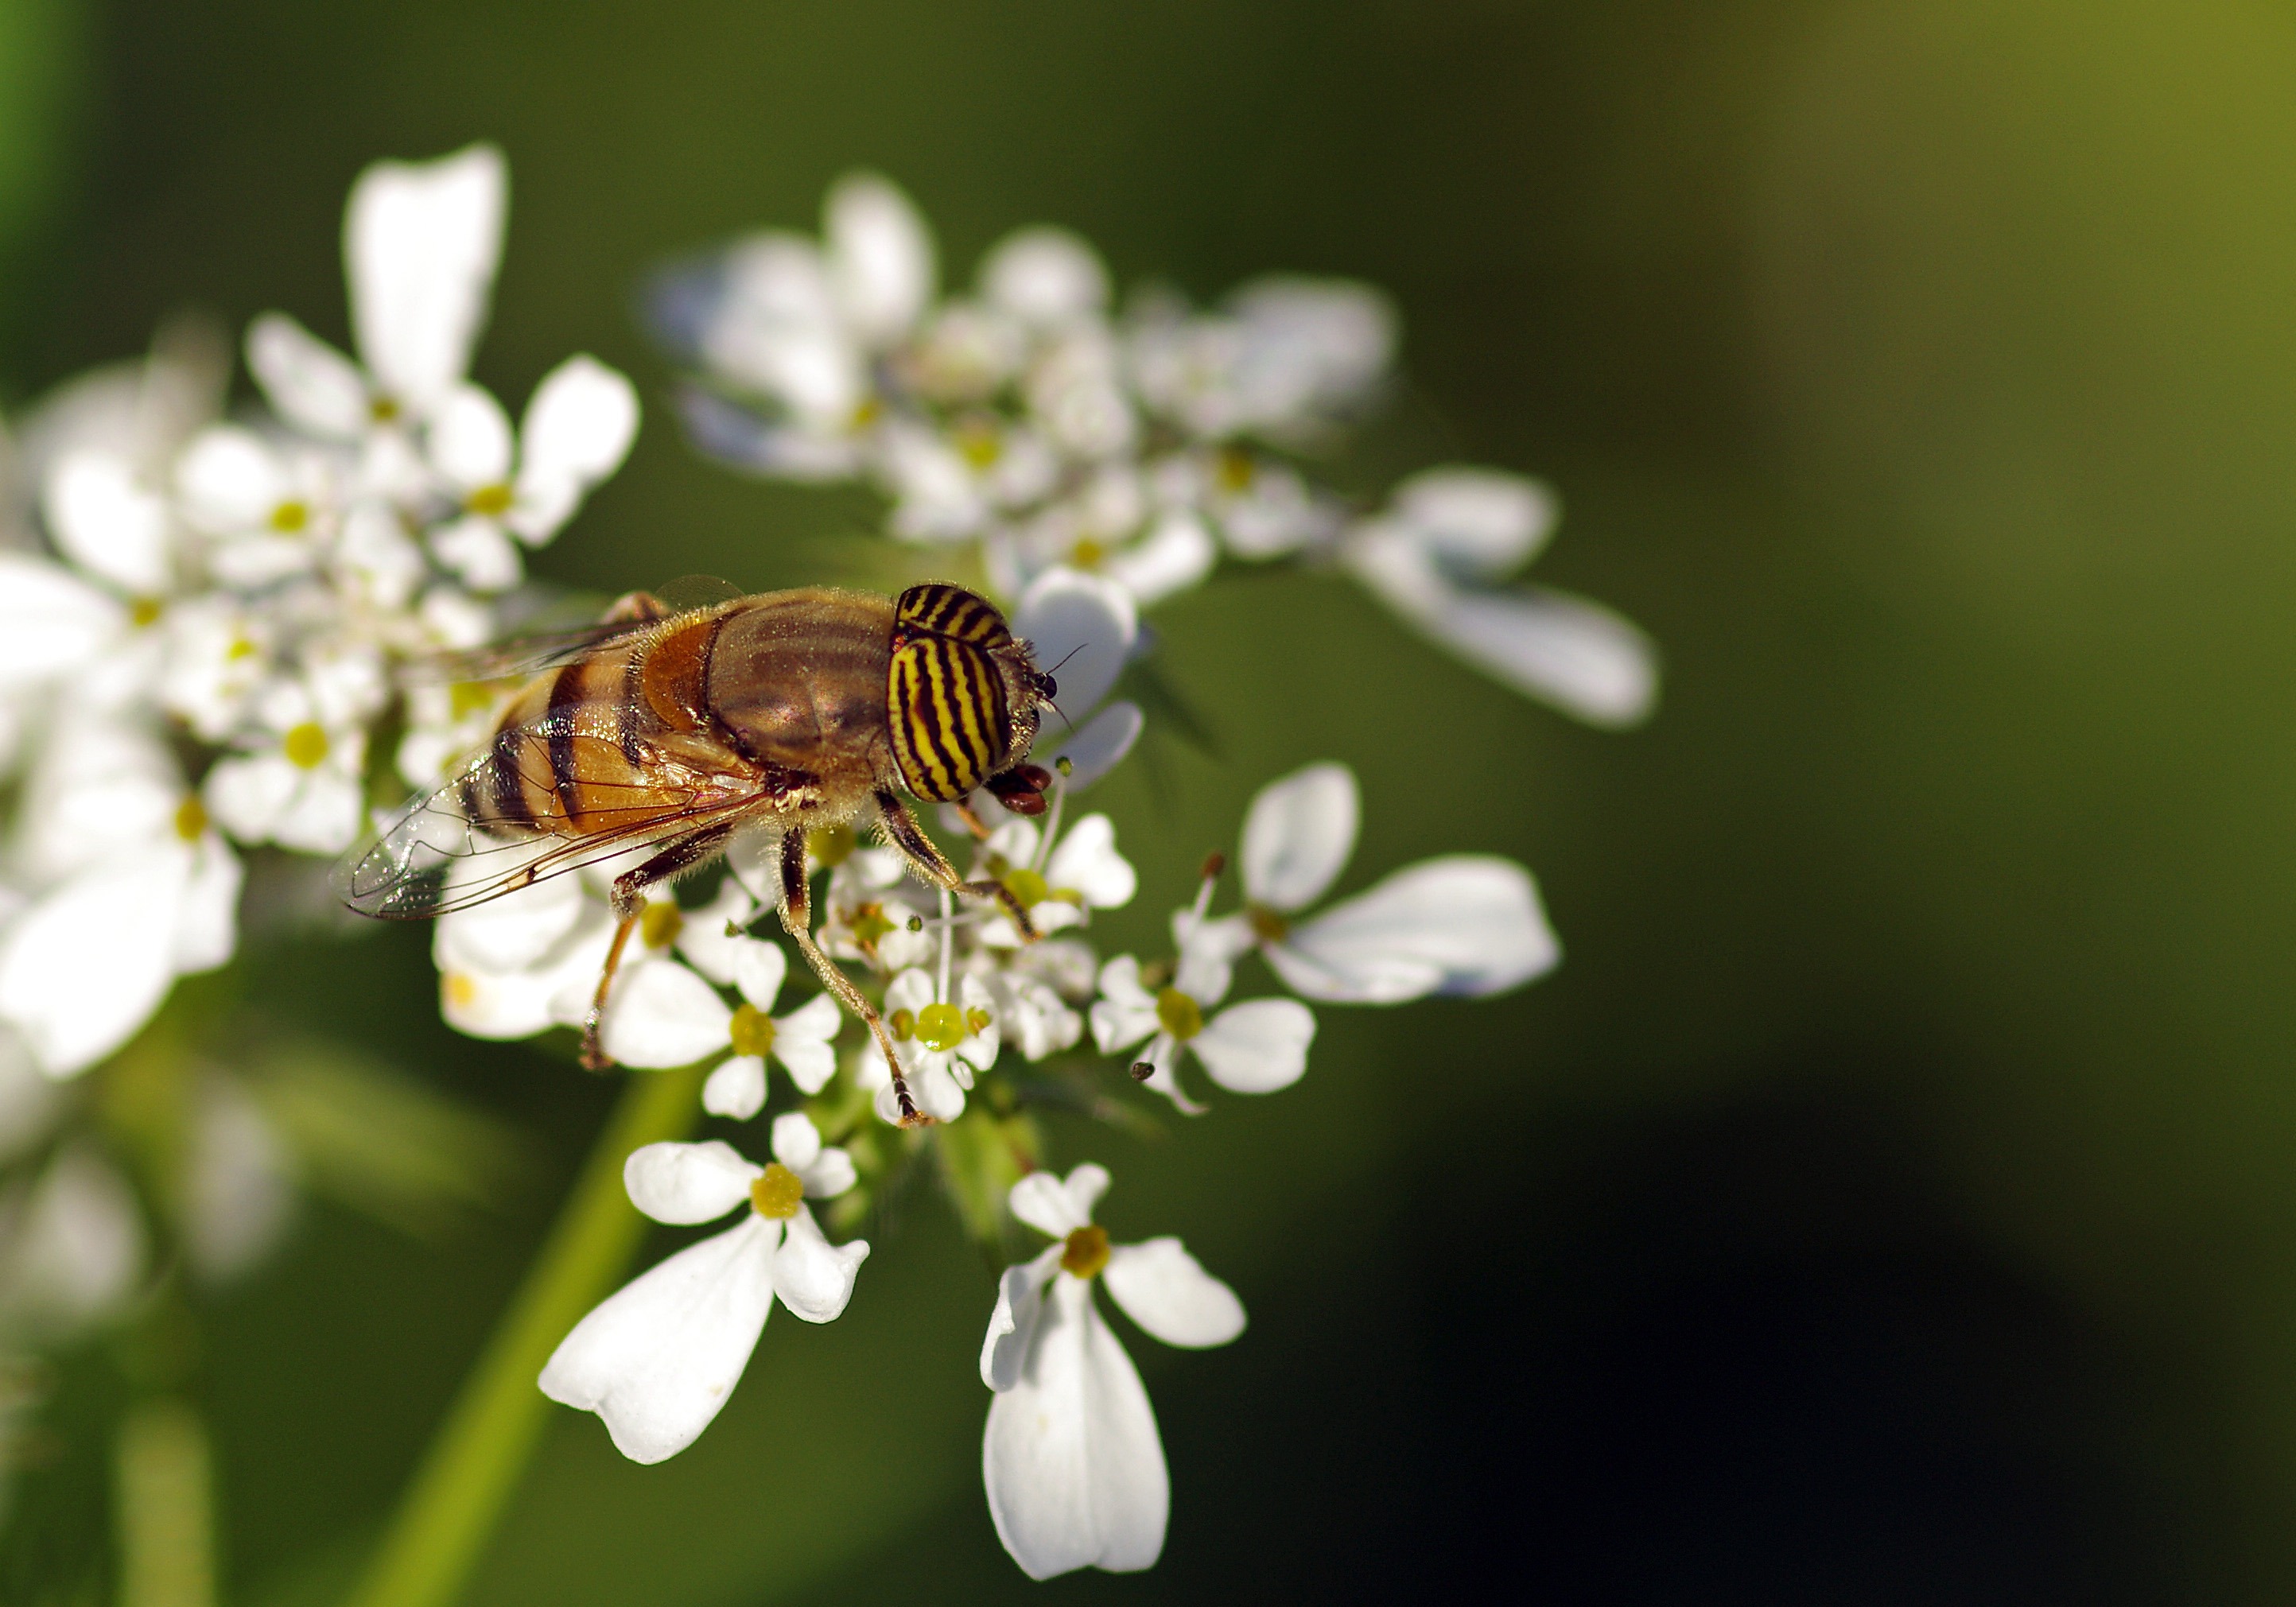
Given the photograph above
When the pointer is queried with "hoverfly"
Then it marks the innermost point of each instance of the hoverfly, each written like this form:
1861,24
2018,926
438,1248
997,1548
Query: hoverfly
667,732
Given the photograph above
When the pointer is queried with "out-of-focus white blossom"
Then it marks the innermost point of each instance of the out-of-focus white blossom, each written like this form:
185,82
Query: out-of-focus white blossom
1071,1459
1436,555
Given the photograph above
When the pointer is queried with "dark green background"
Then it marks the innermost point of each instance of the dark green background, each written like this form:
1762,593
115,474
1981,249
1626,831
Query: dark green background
1889,1200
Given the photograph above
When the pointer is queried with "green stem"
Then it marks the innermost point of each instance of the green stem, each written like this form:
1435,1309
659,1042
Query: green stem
164,1482
474,1464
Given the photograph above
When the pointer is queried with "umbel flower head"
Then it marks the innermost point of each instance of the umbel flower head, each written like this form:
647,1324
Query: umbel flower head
1071,1459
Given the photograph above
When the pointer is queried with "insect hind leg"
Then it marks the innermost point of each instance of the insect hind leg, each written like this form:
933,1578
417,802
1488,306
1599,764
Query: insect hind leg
797,920
928,862
682,855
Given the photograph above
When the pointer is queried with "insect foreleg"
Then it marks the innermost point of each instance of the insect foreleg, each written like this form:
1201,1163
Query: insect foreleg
629,894
930,862
797,920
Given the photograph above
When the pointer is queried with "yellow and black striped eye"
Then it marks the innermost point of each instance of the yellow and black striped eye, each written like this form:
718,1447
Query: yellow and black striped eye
952,725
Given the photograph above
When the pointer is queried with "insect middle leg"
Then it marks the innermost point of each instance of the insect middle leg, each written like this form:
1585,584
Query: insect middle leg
797,920
930,862
682,855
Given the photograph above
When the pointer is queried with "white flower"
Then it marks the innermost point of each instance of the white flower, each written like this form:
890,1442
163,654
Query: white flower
1058,876
1255,1047
657,1359
421,244
134,890
529,960
1073,1466
268,506
1082,628
866,910
577,430
1287,357
300,779
71,1247
1461,924
942,1041
1436,555
663,1014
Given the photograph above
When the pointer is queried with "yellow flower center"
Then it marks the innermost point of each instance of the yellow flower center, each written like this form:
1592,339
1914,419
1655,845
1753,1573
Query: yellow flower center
903,1024
382,409
493,501
291,517
466,698
1181,1016
191,819
1085,1252
941,1027
144,612
459,988
777,1193
240,648
1028,886
1236,471
978,444
1087,554
752,1032
832,845
870,925
1266,924
306,745
660,923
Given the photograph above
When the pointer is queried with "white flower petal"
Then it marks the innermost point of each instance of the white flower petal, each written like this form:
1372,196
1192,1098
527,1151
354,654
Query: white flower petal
1466,924
207,920
1176,553
1086,862
759,970
736,1089
813,1277
85,966
106,522
307,382
703,938
50,620
1578,655
686,1183
1099,747
228,480
1044,276
1478,522
469,439
1257,1046
421,242
1074,1469
325,814
579,425
657,1359
1013,1324
802,1042
830,1174
661,1014
1086,624
1160,1286
514,930
478,552
797,1142
1298,834
1163,1060
881,256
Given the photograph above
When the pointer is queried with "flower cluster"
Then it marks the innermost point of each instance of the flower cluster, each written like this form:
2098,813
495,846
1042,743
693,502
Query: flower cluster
206,616
1075,1470
1029,425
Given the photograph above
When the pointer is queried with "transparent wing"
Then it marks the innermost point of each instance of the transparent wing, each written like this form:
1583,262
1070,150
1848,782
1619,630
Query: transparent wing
430,857
522,656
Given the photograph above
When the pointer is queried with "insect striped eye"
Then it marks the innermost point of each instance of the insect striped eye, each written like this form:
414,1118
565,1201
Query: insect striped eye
951,721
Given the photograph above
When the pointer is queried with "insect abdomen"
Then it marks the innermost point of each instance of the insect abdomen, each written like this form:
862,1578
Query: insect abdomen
565,758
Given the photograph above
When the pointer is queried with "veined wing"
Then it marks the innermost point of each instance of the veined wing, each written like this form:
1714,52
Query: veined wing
433,856
535,652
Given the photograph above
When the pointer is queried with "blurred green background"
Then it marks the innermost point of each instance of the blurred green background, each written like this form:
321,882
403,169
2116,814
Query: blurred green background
1889,1200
